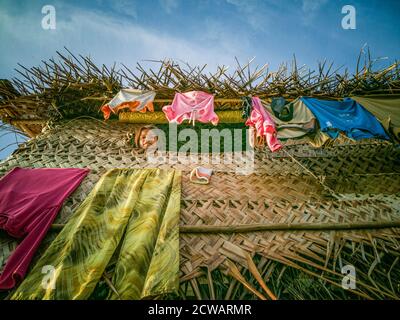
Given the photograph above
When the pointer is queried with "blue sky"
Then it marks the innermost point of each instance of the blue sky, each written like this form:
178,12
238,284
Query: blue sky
198,32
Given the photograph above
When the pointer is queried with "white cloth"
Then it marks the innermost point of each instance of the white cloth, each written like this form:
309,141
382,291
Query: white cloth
126,95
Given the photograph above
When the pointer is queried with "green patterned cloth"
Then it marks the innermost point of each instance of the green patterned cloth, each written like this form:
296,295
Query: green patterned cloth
136,210
386,108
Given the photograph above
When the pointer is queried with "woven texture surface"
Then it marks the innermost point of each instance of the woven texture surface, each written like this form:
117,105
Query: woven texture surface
352,182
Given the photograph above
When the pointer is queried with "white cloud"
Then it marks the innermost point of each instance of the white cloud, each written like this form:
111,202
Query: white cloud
312,5
106,39
169,5
251,12
127,7
122,7
310,9
261,14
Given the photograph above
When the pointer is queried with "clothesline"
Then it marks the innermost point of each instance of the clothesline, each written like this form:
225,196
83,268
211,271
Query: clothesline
217,100
318,178
268,121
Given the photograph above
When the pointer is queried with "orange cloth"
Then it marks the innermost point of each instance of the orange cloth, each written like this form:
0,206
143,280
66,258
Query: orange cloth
134,100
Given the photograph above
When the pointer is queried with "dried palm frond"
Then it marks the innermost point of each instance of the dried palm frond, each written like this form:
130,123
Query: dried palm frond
73,85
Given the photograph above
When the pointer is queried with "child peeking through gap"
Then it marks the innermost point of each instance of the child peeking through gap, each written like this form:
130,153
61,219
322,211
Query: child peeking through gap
145,136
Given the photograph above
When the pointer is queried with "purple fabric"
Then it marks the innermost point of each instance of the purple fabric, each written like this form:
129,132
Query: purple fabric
29,202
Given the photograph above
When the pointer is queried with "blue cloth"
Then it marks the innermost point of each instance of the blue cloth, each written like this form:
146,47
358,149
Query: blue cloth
347,116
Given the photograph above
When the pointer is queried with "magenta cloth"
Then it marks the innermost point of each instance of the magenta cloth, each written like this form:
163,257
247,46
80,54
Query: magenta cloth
263,124
192,105
29,202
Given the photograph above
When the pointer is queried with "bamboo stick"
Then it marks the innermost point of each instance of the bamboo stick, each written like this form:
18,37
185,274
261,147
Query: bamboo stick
158,117
288,227
278,227
28,121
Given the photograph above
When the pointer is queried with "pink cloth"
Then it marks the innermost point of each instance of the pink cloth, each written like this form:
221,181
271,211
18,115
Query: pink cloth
263,124
192,105
29,202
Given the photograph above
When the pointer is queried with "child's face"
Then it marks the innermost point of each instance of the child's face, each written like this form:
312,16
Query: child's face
147,138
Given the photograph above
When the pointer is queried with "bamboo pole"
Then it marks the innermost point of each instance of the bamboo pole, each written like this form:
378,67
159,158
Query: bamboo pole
288,227
158,117
26,129
279,227
28,121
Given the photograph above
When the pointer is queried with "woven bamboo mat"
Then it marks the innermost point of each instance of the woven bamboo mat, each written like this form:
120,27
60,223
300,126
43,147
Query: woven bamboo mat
346,183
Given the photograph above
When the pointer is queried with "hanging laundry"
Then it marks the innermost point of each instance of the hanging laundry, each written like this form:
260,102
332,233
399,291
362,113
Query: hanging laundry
131,214
29,202
347,116
262,127
192,106
132,99
386,108
292,120
282,109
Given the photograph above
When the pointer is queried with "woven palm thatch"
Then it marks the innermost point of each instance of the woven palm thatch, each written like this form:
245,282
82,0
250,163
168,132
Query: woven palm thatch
72,86
348,192
284,231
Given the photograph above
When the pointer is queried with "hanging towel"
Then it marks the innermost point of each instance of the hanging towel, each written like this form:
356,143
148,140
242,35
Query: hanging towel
386,108
134,100
136,210
29,202
296,122
347,116
192,106
263,125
